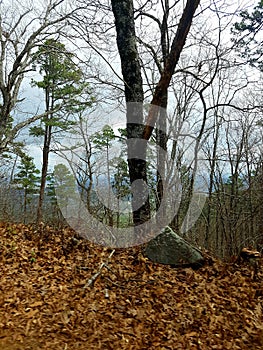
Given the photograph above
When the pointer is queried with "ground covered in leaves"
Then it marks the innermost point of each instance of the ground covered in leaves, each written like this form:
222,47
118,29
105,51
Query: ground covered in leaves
60,292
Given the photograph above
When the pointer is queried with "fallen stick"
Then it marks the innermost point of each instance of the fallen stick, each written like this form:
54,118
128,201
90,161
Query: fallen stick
96,275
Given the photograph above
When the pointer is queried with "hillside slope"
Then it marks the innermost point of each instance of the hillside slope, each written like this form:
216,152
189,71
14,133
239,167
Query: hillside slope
56,294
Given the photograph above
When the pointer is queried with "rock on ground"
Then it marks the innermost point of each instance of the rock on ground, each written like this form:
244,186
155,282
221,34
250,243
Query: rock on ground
169,248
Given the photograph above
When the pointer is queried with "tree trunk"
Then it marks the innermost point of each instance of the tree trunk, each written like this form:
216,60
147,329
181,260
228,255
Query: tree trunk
161,141
170,64
131,71
5,110
211,181
45,158
126,40
49,100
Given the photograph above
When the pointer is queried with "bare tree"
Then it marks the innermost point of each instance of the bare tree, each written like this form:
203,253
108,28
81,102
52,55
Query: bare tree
22,29
126,41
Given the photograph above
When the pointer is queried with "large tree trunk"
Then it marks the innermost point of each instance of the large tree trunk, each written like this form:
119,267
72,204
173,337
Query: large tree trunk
5,118
161,125
126,41
131,71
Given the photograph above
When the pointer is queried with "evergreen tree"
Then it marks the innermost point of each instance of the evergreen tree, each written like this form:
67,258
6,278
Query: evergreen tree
65,90
247,35
27,179
65,181
103,141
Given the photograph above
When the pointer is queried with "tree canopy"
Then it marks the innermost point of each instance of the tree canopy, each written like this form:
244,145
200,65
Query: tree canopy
248,35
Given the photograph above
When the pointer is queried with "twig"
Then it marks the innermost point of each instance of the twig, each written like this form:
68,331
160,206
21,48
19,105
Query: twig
114,283
85,268
94,277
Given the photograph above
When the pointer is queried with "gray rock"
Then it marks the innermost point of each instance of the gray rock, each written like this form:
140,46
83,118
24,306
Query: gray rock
169,248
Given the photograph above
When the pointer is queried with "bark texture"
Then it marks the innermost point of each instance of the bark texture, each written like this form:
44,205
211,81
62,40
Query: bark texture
131,71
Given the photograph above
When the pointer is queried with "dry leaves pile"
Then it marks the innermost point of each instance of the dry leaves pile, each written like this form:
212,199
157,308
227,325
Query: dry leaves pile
46,301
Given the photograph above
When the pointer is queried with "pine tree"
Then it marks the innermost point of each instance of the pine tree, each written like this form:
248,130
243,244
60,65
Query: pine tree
27,179
66,93
247,35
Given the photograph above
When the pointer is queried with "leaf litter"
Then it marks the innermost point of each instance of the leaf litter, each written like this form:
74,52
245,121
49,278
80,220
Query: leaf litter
61,292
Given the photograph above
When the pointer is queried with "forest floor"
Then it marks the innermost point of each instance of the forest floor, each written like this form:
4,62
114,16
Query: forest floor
56,294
